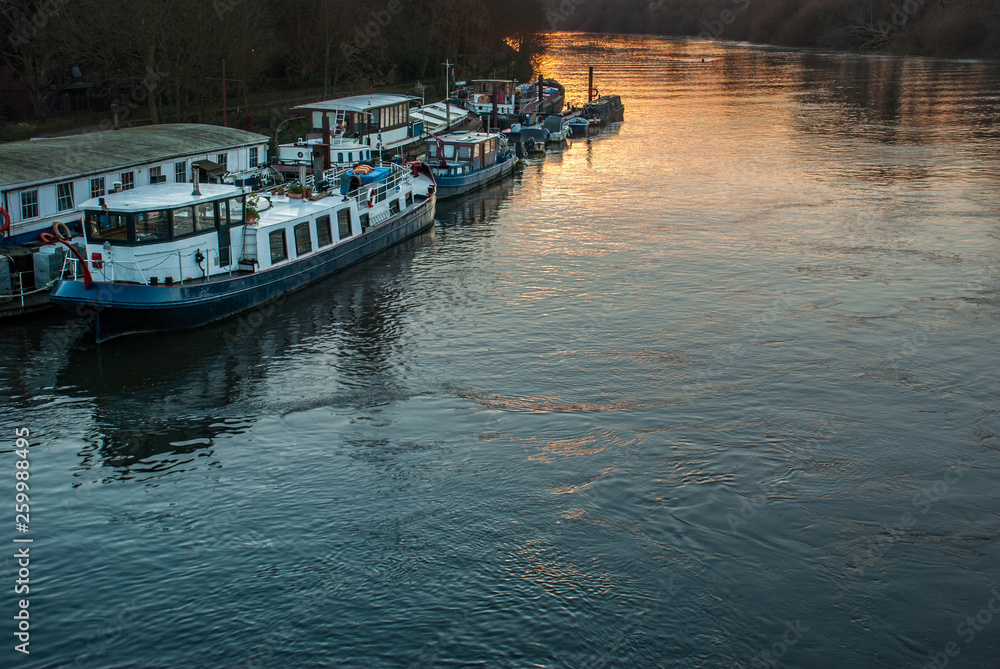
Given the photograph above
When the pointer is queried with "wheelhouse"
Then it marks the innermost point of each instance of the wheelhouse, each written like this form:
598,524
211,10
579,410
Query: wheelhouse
164,213
460,153
482,95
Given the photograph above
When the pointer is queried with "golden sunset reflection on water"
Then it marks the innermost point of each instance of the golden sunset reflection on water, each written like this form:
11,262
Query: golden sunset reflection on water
648,402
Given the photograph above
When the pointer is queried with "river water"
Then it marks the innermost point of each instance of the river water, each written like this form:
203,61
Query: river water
716,387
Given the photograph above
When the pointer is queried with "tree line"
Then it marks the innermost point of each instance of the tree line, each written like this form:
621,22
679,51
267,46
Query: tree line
943,28
162,58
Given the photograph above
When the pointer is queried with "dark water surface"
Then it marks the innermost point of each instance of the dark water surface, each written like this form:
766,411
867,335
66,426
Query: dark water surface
715,388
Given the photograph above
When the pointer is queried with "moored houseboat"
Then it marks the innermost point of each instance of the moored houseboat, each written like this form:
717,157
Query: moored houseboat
605,109
502,102
464,161
42,181
368,128
165,257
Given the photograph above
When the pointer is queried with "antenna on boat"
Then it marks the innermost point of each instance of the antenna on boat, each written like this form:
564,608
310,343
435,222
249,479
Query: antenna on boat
196,191
447,107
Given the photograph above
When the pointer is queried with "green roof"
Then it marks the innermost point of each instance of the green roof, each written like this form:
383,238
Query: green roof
64,158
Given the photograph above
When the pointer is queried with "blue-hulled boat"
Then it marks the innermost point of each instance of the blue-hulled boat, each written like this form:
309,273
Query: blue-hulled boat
165,258
464,161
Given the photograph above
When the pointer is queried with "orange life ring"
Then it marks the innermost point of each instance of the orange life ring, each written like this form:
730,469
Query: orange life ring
371,198
5,226
59,227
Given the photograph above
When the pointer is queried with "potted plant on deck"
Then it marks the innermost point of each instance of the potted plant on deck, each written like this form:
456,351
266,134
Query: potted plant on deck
252,213
297,192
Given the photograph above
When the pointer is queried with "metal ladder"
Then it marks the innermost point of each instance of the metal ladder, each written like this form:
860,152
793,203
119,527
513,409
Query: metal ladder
248,254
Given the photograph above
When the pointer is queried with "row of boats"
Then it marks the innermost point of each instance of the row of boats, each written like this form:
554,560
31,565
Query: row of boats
171,256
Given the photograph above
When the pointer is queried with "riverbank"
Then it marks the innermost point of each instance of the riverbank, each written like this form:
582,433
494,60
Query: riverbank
263,116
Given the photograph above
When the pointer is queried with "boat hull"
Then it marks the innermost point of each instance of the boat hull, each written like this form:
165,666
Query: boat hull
448,186
117,309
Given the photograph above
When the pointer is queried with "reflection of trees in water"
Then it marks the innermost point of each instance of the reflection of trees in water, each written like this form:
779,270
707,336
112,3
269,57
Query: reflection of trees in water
155,399
893,100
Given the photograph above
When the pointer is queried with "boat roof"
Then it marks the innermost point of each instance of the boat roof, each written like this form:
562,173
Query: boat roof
466,136
162,196
284,209
358,103
437,113
70,157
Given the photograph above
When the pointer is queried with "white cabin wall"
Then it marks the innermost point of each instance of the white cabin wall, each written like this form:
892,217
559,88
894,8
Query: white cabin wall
150,260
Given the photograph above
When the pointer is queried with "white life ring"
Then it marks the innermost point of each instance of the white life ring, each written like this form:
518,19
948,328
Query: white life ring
371,198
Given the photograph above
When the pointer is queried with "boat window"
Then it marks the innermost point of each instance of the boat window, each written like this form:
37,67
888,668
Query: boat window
449,150
432,150
152,226
102,225
340,157
279,250
344,223
223,213
65,196
204,216
29,204
464,152
409,199
394,207
364,222
183,221
236,211
475,151
303,240
350,156
324,234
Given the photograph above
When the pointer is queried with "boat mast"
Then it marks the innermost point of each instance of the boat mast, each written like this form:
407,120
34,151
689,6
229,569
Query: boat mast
447,107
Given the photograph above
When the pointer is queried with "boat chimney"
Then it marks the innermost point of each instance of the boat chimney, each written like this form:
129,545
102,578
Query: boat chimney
326,141
590,85
540,94
493,116
302,176
196,192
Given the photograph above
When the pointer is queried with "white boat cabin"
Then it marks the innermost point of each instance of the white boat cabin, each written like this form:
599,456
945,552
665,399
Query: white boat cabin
459,153
167,234
378,121
343,152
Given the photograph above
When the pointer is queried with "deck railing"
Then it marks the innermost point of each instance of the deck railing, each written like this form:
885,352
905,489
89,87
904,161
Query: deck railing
110,270
399,178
